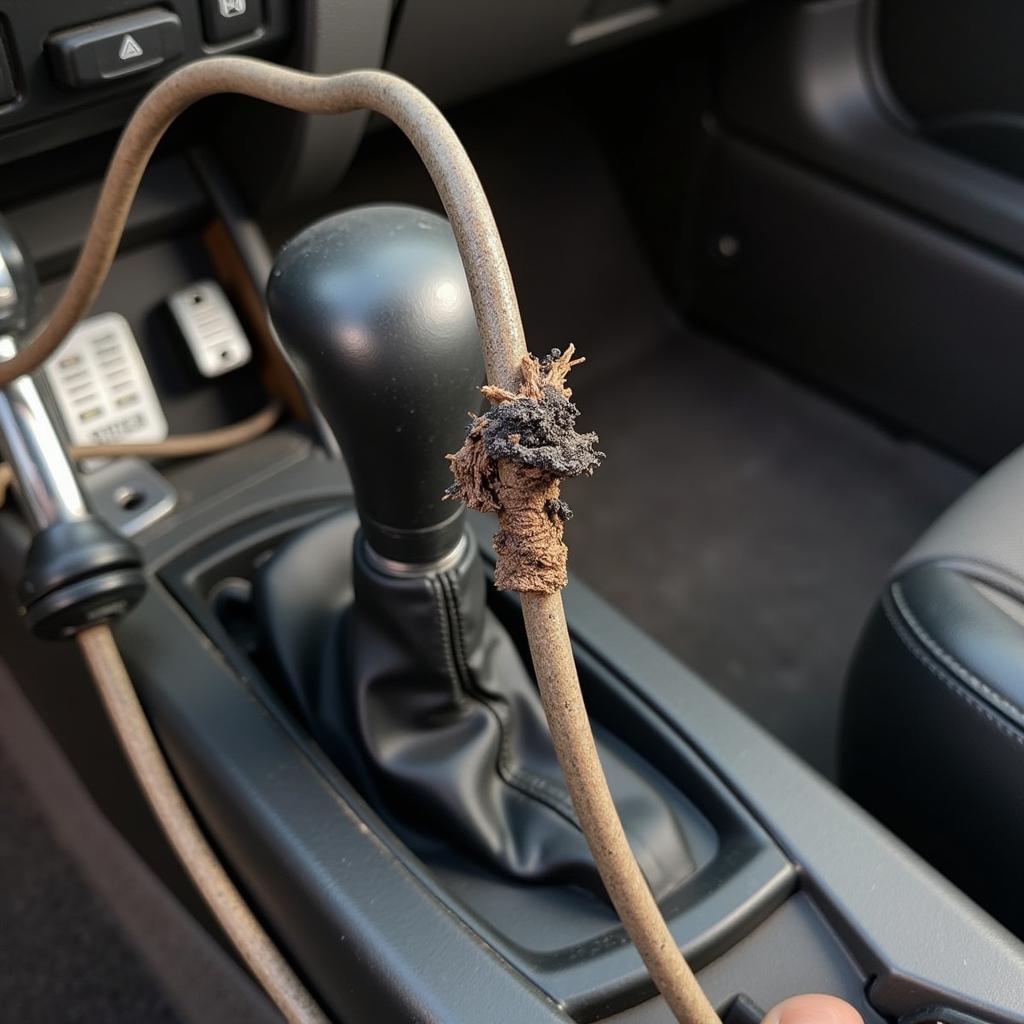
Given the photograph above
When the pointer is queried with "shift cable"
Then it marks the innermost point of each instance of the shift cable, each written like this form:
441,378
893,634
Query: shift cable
505,355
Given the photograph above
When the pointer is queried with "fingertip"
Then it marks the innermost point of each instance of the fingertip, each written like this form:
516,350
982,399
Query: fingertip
813,1009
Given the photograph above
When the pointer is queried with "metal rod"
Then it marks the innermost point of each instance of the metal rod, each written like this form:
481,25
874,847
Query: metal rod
30,445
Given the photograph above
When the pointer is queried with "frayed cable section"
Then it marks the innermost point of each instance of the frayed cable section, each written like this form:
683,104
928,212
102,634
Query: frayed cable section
512,463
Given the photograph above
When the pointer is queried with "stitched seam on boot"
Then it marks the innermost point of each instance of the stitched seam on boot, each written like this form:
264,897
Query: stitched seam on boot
455,678
514,775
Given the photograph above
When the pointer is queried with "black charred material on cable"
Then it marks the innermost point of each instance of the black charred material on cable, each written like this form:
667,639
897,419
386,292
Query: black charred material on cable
540,433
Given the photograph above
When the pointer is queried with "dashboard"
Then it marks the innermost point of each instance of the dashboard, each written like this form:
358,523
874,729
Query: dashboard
72,71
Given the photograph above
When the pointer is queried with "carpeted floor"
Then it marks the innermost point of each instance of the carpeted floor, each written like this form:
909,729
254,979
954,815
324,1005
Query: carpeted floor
89,935
64,957
748,526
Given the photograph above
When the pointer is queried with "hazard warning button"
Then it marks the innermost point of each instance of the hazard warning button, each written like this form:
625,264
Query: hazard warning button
106,50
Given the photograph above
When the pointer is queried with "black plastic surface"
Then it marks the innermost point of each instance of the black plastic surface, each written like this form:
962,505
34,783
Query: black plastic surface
310,153
905,319
939,1015
946,59
743,1010
8,88
956,69
512,41
53,227
373,306
805,79
795,951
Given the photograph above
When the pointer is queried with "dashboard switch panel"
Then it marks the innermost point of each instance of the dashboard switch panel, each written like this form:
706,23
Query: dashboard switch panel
210,328
102,386
107,50
229,19
76,76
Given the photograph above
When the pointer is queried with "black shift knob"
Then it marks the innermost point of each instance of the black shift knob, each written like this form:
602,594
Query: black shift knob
373,306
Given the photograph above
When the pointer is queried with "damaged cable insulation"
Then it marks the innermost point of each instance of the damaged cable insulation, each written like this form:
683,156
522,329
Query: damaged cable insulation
512,463
504,349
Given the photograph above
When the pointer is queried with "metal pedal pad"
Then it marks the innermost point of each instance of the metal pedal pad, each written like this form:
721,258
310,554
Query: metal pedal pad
102,386
210,328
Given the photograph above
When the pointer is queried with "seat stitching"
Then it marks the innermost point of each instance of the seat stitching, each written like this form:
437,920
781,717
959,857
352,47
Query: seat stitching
1003,703
951,682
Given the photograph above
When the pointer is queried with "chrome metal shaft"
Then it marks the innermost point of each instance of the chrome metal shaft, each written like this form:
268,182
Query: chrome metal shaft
30,445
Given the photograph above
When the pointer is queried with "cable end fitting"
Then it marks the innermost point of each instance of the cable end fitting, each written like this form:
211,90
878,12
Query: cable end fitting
79,574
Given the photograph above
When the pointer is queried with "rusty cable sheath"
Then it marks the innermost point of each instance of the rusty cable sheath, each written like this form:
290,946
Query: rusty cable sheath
221,895
504,350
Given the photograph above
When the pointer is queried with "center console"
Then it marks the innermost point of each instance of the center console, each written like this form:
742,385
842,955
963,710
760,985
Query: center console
342,694
792,888
70,71
785,887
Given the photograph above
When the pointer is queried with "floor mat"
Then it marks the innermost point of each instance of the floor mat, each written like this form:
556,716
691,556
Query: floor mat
64,959
743,520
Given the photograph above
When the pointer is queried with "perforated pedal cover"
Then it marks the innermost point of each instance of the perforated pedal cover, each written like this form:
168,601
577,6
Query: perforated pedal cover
210,328
102,386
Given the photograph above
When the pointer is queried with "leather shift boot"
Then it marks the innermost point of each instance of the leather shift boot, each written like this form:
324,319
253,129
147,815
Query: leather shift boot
420,696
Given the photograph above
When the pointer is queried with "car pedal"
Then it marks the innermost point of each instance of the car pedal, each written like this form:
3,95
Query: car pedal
210,328
102,387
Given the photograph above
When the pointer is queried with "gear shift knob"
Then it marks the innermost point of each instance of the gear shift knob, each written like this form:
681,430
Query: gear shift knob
373,307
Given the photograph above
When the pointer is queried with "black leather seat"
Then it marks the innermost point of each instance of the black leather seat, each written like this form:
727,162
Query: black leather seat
932,737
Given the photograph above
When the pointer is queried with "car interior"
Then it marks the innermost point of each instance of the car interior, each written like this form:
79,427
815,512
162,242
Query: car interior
265,355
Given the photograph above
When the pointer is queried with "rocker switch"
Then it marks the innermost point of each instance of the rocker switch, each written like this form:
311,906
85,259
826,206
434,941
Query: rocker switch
227,20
